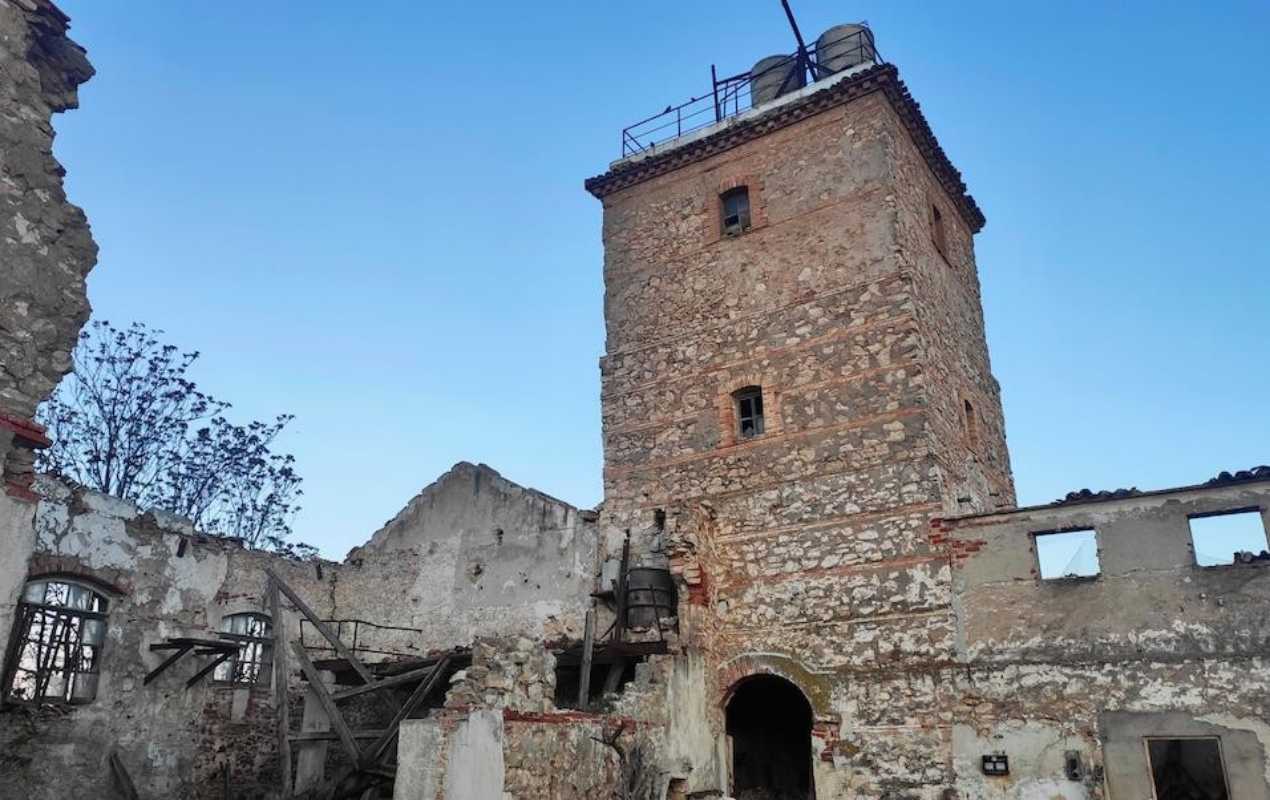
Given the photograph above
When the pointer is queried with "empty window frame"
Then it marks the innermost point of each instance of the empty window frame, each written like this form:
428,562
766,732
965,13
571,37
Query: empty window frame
937,233
253,662
735,206
749,411
971,423
57,639
1186,768
1067,554
1228,537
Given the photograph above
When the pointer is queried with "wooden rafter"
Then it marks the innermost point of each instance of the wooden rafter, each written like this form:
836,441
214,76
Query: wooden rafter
282,706
366,759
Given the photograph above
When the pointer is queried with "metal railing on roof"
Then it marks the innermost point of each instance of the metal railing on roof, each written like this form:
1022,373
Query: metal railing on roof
363,637
733,95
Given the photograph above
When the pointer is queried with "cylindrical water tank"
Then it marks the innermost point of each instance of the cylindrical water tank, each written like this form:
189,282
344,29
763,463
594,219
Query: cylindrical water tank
842,47
650,596
770,74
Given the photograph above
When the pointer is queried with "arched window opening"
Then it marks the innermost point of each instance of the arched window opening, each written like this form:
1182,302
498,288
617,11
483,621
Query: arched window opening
749,411
769,728
57,639
253,663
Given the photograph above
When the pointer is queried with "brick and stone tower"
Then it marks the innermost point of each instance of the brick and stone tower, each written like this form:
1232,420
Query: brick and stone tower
797,380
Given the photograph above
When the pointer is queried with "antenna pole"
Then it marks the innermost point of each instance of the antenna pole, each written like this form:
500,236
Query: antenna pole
803,61
793,23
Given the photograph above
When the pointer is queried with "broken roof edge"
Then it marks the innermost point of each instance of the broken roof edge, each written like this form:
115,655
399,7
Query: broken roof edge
478,474
1223,480
814,99
54,490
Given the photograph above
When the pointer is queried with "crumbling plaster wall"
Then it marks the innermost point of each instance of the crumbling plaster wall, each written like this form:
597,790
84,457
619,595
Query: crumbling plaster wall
46,251
174,741
1050,666
476,555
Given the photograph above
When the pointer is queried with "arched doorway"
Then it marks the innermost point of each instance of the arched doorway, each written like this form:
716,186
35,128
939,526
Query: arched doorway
769,731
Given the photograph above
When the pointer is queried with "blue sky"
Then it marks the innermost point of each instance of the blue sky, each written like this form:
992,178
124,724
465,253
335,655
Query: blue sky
373,217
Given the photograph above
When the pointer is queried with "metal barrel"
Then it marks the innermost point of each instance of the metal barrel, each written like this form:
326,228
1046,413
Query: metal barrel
650,595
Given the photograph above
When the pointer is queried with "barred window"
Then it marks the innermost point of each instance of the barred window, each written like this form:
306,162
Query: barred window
57,638
253,663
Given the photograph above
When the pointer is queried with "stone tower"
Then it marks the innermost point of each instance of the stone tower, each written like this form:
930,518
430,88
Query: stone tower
796,381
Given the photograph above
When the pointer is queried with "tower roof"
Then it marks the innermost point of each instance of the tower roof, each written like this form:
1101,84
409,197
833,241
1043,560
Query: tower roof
814,99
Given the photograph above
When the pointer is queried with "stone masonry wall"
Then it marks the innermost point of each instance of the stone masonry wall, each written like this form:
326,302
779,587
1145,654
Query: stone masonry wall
865,342
46,251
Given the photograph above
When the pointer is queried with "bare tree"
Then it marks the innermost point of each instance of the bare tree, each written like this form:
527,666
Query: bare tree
129,422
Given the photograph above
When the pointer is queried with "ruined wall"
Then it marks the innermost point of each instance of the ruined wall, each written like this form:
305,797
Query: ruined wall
1153,646
497,740
46,251
162,579
865,342
475,555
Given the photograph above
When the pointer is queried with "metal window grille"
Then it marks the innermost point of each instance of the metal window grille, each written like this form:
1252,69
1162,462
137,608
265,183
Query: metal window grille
749,412
56,643
253,663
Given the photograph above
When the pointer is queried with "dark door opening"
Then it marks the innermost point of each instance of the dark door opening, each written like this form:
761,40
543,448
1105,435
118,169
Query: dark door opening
769,724
1187,769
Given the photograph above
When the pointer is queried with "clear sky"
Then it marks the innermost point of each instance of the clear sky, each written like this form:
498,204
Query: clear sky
372,216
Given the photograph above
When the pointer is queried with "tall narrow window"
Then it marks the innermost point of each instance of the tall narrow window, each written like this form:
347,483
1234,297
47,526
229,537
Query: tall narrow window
937,234
736,211
749,411
58,634
971,424
253,662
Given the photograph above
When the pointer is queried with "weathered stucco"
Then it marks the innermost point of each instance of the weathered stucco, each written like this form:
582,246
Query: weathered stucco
1153,646
475,554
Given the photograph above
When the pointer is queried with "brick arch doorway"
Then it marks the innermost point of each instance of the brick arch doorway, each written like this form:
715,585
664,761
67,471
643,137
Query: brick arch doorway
769,740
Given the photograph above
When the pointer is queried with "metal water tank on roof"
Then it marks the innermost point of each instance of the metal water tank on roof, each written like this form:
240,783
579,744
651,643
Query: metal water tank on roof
844,46
772,74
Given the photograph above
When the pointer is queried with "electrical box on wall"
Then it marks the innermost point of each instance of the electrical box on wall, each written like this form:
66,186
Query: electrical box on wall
996,765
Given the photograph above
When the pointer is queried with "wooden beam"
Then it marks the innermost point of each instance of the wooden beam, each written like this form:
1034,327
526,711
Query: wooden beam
384,683
328,704
588,650
327,736
123,781
324,629
198,676
169,661
282,708
328,634
374,752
